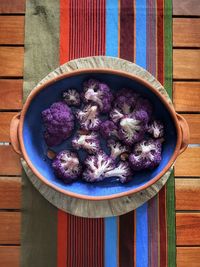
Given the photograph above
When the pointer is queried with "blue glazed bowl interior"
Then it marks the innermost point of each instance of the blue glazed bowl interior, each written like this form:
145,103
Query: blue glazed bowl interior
37,149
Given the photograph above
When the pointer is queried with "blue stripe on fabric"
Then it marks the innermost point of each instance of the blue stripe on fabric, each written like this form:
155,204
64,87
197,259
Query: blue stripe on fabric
112,28
141,212
111,242
141,33
110,224
142,236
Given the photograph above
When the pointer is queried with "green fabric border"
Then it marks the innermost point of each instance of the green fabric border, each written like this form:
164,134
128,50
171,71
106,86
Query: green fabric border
39,228
42,33
39,217
168,84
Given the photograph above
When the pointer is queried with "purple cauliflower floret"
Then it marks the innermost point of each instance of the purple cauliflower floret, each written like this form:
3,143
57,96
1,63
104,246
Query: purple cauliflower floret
144,105
132,128
72,97
123,172
156,129
108,129
125,101
97,166
116,148
59,123
89,142
99,94
88,118
66,166
116,115
146,155
124,104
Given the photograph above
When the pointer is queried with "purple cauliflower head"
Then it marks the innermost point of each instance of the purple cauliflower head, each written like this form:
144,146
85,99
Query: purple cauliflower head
59,123
125,101
116,148
132,128
97,166
89,142
108,129
144,105
66,166
71,97
123,172
156,129
146,155
99,94
88,118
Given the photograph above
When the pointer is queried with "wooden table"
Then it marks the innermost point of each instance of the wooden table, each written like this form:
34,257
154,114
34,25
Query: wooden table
186,97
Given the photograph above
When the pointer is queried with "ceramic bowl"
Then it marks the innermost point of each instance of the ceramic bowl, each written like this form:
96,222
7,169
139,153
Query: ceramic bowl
27,134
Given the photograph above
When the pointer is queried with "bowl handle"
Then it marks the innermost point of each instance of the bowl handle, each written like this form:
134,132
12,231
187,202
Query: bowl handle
185,133
14,133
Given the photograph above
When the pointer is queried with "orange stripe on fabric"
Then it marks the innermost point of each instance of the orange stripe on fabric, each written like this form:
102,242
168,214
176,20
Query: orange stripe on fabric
64,31
62,224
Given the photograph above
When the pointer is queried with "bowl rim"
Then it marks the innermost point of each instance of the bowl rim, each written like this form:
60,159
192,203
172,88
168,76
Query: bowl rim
131,76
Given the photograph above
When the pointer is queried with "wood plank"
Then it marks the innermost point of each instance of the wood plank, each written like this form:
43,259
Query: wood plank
188,256
9,256
186,96
186,32
194,125
5,119
10,193
12,30
188,163
11,59
11,94
10,228
186,64
187,194
9,165
187,229
12,6
186,7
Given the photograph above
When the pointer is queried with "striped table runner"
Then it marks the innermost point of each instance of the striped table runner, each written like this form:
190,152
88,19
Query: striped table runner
58,31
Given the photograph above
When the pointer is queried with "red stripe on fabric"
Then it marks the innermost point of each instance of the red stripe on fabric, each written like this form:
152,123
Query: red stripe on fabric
163,227
86,242
83,239
126,240
127,30
87,28
160,77
62,239
134,245
160,40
